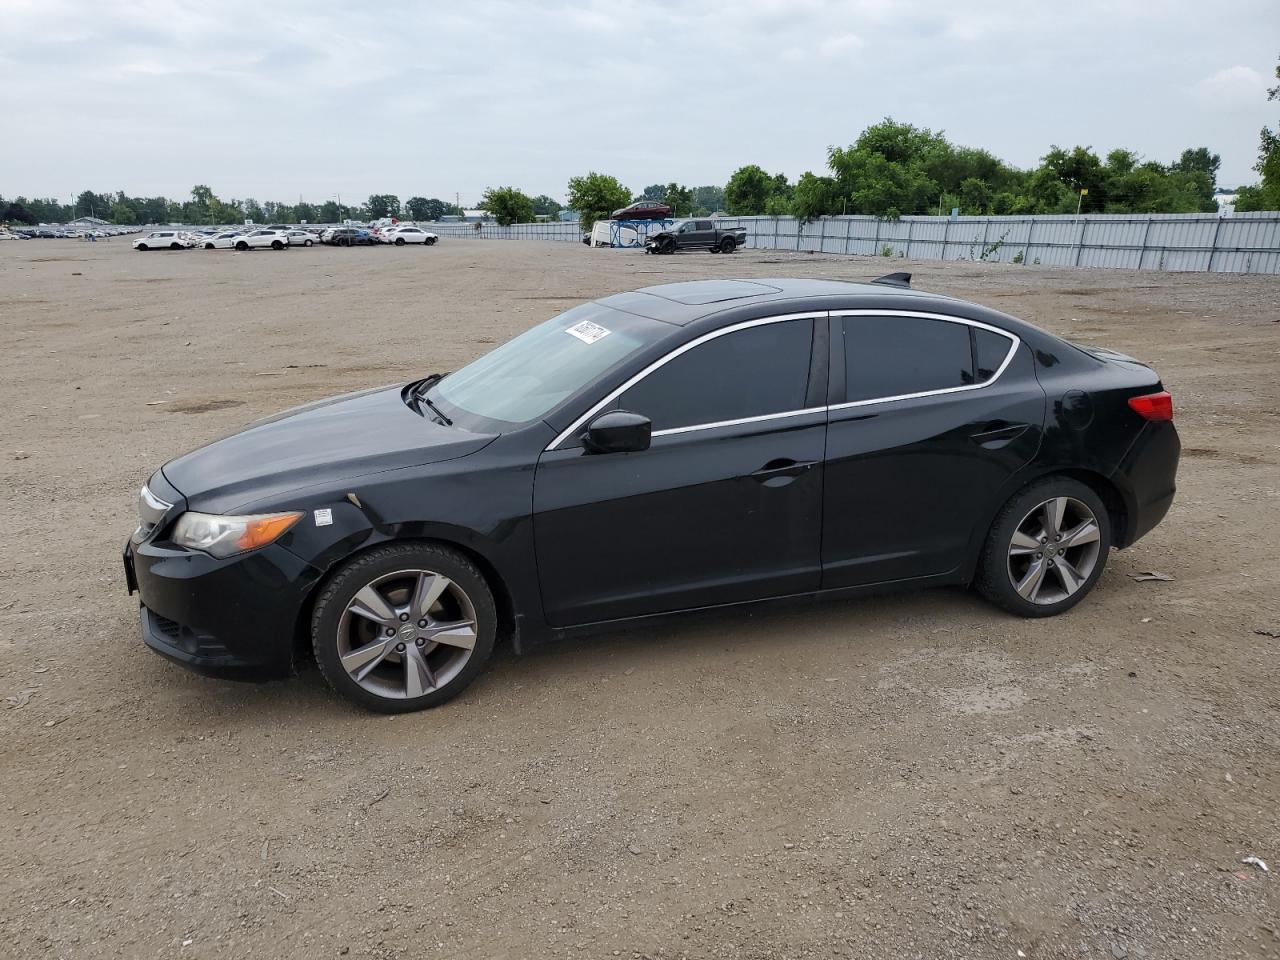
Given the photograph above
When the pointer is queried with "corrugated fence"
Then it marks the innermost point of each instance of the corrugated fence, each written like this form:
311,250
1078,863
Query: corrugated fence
1239,243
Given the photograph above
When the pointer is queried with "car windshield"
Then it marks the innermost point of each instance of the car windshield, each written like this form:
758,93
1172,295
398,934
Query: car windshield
527,377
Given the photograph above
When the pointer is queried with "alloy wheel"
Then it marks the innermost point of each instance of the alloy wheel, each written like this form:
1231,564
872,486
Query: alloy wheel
407,633
1054,550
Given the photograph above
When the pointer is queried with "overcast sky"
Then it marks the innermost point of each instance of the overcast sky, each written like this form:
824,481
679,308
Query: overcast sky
274,98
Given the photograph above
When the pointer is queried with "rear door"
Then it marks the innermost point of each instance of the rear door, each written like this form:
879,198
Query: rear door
726,503
937,414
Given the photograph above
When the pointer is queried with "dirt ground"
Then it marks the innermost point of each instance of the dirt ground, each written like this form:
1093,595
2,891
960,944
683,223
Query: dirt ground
914,776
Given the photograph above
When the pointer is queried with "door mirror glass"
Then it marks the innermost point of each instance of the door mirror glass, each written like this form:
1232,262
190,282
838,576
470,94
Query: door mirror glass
618,431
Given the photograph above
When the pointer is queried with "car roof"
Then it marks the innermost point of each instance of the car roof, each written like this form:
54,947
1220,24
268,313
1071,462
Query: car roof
685,303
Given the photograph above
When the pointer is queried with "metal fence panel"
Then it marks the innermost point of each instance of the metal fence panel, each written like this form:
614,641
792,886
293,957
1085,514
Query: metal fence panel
1239,243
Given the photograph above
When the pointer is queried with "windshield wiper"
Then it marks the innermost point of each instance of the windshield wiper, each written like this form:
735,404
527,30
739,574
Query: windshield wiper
419,393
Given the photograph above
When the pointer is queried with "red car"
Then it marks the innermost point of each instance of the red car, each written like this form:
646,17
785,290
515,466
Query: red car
643,210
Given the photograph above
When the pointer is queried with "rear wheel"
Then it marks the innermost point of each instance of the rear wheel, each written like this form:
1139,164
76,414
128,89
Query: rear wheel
1047,548
430,241
727,245
306,243
277,245
404,627
175,246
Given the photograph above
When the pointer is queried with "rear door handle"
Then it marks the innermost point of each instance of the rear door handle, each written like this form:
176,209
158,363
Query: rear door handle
781,467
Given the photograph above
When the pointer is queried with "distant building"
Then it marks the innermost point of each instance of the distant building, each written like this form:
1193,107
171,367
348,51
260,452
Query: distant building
1226,203
474,216
569,216
87,223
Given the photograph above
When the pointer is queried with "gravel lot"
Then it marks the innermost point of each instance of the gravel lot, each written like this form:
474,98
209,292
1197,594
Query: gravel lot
914,776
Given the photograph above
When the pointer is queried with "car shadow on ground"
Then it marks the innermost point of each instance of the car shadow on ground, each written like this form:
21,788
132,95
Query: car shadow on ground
807,627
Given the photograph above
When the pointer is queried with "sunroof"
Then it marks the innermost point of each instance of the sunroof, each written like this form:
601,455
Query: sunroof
711,291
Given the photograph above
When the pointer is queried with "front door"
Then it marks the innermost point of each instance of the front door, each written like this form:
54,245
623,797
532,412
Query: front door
724,506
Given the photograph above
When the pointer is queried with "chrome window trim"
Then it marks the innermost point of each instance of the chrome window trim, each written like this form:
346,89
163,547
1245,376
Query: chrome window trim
671,431
663,360
1014,342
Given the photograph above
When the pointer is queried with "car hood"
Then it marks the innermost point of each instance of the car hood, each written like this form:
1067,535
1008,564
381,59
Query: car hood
335,439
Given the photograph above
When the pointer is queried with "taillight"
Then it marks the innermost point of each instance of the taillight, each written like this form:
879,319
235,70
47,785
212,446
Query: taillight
1153,406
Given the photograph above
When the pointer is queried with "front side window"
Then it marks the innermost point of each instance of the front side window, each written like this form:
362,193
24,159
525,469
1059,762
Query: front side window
751,372
527,377
897,356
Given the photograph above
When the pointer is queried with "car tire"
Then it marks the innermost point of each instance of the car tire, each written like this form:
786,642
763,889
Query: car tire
242,246
430,242
208,246
175,246
727,245
399,241
668,246
306,243
387,674
277,245
141,246
1026,567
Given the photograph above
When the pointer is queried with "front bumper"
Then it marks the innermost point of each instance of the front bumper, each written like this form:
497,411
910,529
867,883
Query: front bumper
235,618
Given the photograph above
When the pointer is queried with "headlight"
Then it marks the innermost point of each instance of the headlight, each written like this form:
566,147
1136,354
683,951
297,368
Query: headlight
226,536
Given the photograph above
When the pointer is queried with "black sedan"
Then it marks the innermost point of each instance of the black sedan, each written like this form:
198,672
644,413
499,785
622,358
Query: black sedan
678,447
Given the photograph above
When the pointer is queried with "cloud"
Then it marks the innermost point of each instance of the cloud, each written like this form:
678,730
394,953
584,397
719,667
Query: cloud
1233,87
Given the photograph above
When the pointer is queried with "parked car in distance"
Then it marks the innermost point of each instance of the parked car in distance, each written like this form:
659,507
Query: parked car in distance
643,210
401,235
221,241
350,236
299,238
696,235
163,240
260,239
673,448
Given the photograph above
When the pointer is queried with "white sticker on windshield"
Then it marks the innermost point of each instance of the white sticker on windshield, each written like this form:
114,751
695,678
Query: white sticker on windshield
587,332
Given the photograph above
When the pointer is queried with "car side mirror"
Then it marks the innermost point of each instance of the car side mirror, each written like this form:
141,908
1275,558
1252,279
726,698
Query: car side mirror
618,431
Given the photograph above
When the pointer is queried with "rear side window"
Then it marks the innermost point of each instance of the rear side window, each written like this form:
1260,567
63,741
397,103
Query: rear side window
747,373
989,351
895,356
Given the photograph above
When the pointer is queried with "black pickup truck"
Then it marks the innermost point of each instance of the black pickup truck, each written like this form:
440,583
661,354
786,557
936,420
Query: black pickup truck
696,235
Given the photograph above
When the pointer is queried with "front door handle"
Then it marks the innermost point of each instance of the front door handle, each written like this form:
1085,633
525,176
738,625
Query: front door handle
781,468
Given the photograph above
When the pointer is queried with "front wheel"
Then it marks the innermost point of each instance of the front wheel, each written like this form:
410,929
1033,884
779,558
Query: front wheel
241,245
142,246
404,627
668,246
208,246
399,241
1046,549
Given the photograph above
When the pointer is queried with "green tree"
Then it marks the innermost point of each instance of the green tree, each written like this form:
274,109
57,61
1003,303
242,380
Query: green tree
678,198
15,212
748,191
423,208
544,206
709,199
508,205
383,205
253,212
654,192
595,196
